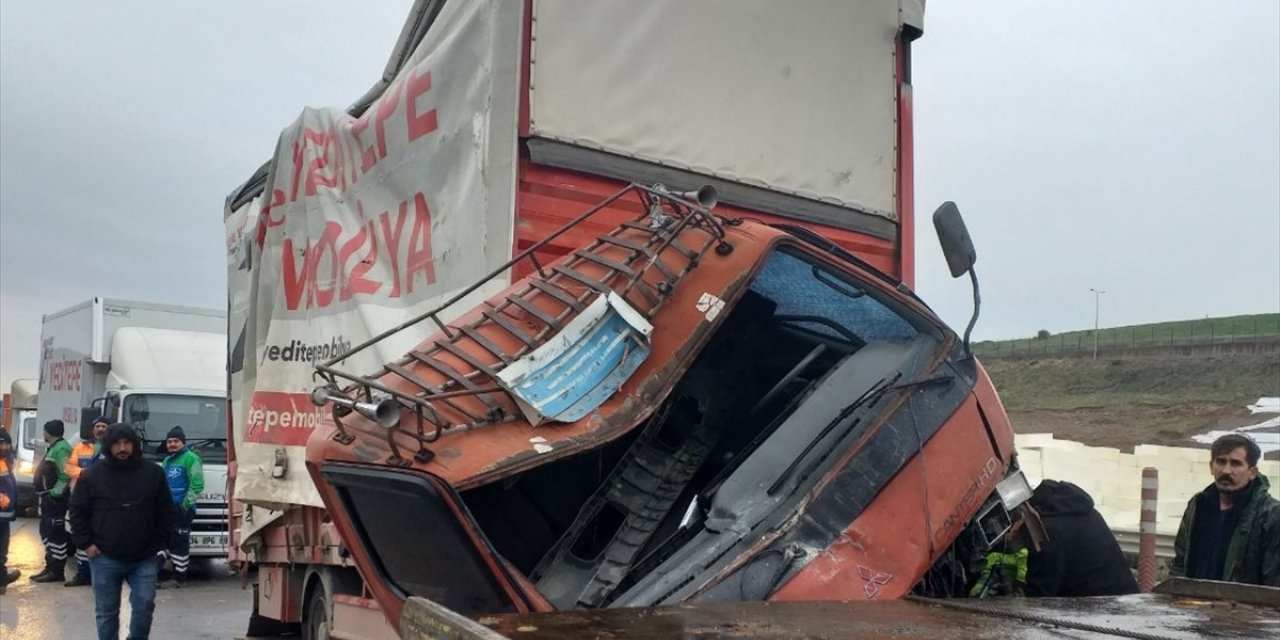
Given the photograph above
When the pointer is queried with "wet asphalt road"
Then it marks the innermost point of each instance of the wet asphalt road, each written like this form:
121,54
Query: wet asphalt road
211,606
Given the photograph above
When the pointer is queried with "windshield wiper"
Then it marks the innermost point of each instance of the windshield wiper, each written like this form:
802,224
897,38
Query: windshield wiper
877,391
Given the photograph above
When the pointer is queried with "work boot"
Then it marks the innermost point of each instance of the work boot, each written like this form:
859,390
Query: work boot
43,572
172,583
9,576
47,577
78,580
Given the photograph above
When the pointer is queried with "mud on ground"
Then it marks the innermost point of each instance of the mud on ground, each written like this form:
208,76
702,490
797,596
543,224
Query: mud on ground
1129,401
1124,427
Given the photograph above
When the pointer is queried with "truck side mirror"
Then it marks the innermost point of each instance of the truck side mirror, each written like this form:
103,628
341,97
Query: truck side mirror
957,247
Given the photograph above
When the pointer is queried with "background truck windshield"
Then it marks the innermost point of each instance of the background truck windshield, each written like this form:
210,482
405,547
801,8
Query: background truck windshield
28,437
203,419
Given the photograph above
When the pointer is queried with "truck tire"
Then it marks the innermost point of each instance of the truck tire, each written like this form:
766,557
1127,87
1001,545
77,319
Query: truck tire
315,617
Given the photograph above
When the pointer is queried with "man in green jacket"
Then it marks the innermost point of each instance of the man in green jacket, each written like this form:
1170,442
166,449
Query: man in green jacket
1231,530
51,485
184,471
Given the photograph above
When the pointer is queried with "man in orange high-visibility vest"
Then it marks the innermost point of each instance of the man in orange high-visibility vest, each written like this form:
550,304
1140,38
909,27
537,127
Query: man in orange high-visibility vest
83,455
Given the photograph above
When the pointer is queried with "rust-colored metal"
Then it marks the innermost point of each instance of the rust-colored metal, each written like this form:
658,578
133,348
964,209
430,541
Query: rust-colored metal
904,530
452,376
477,435
474,451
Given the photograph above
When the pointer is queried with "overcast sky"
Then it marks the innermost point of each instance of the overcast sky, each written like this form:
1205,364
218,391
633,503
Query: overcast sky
1132,147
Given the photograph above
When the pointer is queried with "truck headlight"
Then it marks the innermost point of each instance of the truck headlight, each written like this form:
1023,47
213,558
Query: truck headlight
1014,490
26,467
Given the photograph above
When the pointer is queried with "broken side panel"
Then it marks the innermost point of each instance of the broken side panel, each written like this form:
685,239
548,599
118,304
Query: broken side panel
570,375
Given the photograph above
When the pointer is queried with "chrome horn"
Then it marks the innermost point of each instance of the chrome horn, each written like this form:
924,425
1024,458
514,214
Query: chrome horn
707,197
385,412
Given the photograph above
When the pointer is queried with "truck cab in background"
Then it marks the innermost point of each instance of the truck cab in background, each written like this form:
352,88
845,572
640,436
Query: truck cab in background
154,367
20,421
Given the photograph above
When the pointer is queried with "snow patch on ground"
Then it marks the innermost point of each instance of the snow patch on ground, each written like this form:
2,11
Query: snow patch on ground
1266,434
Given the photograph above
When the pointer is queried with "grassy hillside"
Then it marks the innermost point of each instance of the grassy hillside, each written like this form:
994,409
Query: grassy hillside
1264,326
1121,402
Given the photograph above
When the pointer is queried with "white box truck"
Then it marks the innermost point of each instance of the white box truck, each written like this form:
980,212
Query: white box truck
153,366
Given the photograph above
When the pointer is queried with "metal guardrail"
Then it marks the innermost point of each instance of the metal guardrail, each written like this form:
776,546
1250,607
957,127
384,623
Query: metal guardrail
1128,539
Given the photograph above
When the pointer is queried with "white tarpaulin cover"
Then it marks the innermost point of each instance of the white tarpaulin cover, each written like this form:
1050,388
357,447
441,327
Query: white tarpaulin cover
706,85
364,223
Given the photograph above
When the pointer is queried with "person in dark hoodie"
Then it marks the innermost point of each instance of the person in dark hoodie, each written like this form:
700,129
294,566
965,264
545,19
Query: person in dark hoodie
1080,555
120,516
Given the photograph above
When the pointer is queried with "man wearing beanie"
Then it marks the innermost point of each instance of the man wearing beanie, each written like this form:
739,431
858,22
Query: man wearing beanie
120,517
83,455
184,471
51,485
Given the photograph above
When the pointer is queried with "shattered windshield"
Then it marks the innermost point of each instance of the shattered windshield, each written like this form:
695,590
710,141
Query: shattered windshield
824,302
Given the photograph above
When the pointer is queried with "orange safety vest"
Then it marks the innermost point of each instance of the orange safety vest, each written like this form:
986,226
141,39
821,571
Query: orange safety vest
4,495
81,459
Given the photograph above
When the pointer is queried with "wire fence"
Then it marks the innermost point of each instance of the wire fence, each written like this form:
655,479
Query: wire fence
1262,335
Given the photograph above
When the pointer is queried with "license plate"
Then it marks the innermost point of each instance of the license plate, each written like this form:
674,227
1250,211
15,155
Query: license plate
209,541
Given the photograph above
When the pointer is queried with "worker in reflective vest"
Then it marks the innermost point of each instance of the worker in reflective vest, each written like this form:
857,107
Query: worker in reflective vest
52,486
8,508
184,471
83,455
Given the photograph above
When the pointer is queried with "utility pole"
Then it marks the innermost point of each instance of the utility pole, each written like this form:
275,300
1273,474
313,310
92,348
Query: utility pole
1097,295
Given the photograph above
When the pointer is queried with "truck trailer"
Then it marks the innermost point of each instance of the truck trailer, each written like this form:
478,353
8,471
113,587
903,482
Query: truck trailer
153,366
705,206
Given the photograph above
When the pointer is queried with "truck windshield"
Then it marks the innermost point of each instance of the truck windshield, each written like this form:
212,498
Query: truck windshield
203,420
27,435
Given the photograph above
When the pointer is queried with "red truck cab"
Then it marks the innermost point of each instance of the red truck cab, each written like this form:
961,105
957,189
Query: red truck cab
705,408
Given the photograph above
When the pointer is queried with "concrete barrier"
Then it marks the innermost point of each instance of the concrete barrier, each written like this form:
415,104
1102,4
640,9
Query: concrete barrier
1114,478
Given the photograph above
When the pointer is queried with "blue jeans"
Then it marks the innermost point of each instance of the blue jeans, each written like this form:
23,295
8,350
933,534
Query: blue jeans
109,575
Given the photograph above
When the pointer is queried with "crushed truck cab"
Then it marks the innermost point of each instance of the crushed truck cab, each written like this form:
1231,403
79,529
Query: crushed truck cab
691,408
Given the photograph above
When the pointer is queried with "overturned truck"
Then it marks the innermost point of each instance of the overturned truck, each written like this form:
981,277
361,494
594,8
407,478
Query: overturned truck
691,408
555,372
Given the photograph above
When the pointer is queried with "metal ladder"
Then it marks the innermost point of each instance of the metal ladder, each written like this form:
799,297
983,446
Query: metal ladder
467,397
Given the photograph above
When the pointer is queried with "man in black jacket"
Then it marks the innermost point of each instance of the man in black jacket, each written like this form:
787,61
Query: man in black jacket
1231,530
120,517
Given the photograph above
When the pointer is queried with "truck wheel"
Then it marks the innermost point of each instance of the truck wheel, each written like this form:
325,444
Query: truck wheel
315,618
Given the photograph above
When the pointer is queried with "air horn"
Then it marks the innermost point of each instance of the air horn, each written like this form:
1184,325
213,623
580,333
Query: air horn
706,197
385,412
